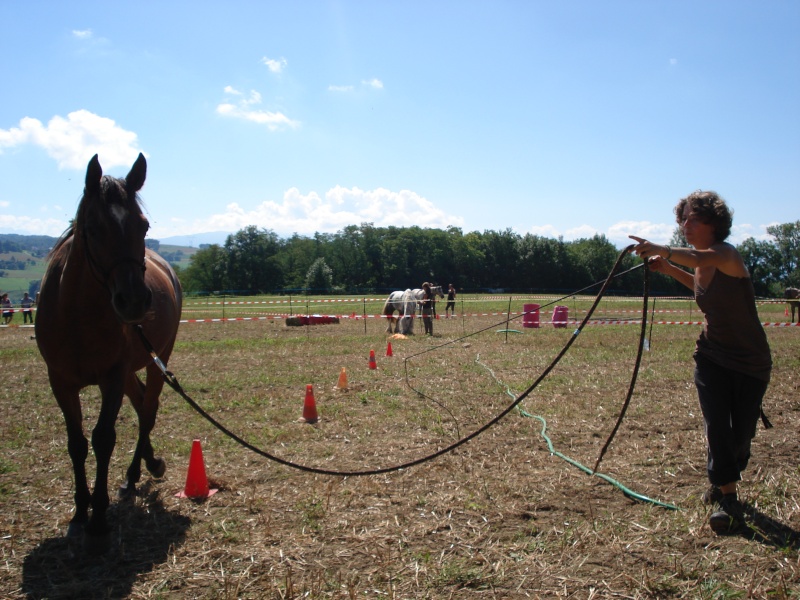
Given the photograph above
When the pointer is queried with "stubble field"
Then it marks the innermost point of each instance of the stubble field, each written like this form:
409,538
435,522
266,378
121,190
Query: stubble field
499,517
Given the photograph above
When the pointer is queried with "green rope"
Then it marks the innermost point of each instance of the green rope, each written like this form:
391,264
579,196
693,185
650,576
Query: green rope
628,492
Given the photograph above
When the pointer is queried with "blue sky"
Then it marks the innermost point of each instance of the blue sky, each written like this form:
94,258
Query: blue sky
555,118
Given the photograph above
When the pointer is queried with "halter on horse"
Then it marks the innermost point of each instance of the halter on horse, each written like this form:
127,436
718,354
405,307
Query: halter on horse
100,284
405,303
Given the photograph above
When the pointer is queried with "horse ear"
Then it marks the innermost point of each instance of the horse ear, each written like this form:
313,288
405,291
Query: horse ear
94,172
135,179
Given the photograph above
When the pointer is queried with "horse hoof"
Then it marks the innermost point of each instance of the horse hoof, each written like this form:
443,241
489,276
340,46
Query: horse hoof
158,468
75,529
127,490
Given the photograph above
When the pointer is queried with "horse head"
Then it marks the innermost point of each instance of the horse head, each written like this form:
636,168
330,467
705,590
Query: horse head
111,227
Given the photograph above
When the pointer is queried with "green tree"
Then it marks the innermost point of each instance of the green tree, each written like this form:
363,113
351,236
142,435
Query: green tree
206,270
787,240
319,279
763,260
253,260
543,262
467,258
297,255
591,260
501,259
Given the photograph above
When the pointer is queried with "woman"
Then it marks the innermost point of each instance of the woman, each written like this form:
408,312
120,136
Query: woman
732,356
427,308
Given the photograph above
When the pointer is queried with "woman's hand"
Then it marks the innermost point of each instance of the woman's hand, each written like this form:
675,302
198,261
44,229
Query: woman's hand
648,250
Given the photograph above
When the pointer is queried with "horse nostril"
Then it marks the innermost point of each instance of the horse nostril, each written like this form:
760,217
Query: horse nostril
130,308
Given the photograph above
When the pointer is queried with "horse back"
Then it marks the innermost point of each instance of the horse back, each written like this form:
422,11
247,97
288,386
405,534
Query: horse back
161,325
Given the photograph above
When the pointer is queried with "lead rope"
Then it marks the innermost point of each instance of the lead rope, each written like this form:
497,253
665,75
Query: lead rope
632,385
172,381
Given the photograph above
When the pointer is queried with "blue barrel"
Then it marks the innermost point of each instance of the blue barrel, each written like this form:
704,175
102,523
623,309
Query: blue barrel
560,314
530,316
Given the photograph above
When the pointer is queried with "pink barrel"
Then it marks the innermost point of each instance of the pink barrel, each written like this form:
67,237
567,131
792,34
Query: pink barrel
530,317
560,316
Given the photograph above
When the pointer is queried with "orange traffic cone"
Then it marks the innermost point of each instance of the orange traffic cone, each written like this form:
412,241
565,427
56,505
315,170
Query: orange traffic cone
389,349
342,384
310,407
372,363
196,481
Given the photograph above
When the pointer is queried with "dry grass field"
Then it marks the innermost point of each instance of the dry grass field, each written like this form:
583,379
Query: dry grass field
500,517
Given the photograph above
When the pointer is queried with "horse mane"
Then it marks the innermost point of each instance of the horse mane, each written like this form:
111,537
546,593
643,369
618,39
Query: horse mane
68,232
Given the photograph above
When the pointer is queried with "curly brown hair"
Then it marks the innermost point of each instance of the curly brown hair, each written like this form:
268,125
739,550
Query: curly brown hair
711,209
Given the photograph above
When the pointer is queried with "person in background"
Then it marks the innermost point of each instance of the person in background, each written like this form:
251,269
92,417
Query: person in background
451,301
427,308
732,355
8,310
27,312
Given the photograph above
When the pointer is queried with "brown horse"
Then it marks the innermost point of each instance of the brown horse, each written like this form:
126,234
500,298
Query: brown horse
792,296
100,284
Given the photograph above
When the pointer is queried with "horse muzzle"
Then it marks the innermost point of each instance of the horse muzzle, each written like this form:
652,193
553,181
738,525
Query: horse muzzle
132,308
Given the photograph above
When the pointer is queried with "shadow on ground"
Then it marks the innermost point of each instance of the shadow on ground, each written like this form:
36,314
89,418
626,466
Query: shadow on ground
766,530
144,535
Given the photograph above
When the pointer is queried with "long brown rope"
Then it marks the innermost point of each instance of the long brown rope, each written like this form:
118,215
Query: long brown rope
172,381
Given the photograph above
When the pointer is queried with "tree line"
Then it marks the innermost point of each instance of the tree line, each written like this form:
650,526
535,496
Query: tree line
364,258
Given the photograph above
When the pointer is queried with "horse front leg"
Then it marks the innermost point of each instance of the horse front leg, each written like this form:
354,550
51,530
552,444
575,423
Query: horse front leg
104,438
145,401
78,447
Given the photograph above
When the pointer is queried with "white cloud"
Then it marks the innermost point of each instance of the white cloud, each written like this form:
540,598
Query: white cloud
340,88
580,232
660,233
546,231
274,65
273,120
374,83
617,233
24,225
242,110
73,141
310,213
82,34
740,233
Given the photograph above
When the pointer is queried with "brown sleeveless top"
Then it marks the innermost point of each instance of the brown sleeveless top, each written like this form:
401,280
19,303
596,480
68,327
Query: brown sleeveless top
732,335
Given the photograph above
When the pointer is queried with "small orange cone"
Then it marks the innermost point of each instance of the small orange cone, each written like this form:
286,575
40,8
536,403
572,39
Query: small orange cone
196,481
372,363
342,384
310,406
389,349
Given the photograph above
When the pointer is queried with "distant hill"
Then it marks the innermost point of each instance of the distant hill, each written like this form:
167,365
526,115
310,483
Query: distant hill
23,257
195,240
35,245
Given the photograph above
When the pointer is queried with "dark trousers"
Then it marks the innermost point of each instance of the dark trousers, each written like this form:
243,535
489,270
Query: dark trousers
731,405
